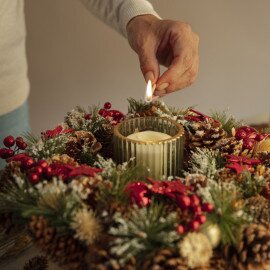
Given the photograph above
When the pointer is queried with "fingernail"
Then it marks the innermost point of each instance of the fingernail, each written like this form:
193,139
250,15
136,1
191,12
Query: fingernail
149,76
162,87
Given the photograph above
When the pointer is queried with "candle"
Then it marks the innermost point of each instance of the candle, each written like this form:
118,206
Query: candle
152,154
149,92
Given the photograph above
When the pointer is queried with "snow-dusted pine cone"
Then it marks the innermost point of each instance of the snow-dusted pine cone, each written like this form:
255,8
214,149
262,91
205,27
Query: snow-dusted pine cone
64,250
82,142
165,259
227,175
204,134
252,252
229,146
259,208
265,158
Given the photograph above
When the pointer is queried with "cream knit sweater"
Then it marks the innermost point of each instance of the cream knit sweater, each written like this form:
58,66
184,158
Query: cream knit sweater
14,85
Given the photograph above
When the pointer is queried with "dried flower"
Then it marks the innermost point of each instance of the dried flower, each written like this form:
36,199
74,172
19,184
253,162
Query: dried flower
86,226
196,249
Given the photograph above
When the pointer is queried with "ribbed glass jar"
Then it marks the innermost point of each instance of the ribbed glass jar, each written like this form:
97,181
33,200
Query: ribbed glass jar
163,158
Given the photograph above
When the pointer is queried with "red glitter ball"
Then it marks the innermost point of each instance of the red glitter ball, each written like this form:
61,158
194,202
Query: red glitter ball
9,141
107,105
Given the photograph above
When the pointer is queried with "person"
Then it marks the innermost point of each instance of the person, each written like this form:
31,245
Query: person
155,40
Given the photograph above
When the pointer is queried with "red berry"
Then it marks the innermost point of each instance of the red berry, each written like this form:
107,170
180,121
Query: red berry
38,170
194,225
248,144
9,141
88,116
248,129
6,153
180,229
27,163
259,137
207,207
183,201
107,105
33,178
240,134
42,163
102,112
196,209
194,200
201,219
47,172
21,143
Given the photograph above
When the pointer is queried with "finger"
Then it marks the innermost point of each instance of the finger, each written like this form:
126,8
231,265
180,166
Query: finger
149,63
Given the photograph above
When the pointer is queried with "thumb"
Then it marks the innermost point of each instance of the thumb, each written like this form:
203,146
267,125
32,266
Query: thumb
149,64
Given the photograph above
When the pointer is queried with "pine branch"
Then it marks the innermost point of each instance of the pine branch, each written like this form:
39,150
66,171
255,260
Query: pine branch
37,263
228,121
136,106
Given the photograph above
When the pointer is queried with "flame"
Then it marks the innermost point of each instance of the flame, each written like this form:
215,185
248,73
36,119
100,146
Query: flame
149,92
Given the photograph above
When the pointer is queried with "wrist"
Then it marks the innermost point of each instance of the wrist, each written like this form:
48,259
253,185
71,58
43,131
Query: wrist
141,20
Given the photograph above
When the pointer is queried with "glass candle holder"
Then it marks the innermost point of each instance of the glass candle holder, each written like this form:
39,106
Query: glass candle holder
163,157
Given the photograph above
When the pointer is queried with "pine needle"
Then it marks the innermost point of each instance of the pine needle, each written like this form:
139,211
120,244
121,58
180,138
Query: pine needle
37,263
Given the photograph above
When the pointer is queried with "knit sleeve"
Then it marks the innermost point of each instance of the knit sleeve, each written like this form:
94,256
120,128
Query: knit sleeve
117,13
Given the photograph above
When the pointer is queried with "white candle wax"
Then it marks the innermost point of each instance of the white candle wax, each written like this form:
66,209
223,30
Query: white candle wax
152,154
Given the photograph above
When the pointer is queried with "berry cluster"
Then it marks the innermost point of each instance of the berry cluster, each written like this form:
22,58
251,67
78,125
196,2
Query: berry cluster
113,116
10,142
192,207
250,136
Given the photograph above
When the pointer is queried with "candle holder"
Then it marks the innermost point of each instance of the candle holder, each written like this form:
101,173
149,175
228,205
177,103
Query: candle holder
163,158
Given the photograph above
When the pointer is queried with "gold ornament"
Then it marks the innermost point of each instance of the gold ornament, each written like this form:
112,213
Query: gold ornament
262,146
213,233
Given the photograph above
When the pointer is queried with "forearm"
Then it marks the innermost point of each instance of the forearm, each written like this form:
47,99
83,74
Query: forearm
117,13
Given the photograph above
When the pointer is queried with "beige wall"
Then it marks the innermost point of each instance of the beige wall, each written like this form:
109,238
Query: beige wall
74,59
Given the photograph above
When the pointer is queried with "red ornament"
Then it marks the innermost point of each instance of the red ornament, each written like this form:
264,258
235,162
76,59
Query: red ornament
42,163
102,112
195,200
196,209
194,225
21,144
9,141
207,207
183,201
27,163
248,144
201,219
33,178
88,116
38,170
260,137
47,172
240,134
180,229
6,153
252,135
107,105
248,129
19,157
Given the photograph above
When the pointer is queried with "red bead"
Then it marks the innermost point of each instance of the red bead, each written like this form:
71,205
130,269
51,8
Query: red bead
6,153
38,170
27,163
240,134
194,225
183,201
9,141
248,144
88,116
21,143
42,163
195,200
107,105
207,207
196,209
180,229
33,178
259,137
201,219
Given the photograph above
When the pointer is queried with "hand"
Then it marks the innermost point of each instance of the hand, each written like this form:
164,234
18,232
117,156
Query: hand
165,42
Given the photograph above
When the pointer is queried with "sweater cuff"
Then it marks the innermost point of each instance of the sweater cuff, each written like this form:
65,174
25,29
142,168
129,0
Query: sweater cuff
133,8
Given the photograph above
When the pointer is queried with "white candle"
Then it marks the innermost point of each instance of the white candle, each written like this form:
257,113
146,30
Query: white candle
149,152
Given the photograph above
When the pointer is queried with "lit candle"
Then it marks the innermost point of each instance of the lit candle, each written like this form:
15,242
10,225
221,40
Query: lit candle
149,92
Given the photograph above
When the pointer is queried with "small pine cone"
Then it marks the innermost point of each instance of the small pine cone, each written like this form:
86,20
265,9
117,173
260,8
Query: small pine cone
64,250
37,263
227,175
64,159
252,252
165,259
205,134
229,146
6,176
265,158
196,180
217,262
104,136
79,142
259,208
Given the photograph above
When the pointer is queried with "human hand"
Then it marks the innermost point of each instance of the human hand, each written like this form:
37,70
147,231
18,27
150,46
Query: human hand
165,42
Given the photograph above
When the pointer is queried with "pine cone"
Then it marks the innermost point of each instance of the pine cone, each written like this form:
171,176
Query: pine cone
229,146
265,158
205,134
259,208
64,250
37,263
227,175
252,252
165,259
6,176
82,141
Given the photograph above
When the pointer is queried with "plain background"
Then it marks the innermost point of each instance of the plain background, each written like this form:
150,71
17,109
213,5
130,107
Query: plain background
75,59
